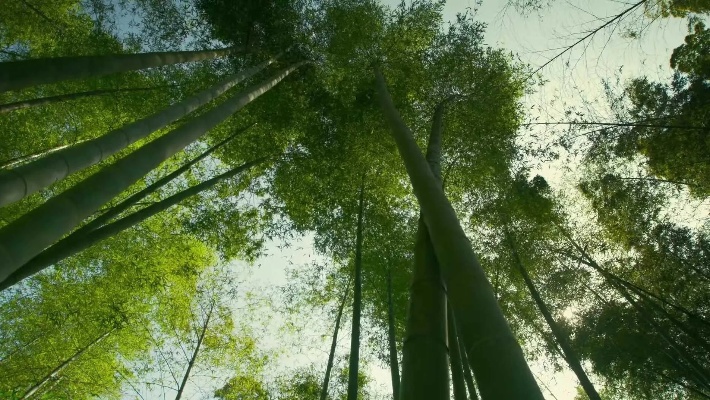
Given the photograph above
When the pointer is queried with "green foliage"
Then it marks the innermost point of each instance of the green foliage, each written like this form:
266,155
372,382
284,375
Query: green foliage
104,290
682,8
243,387
261,26
692,57
668,120
149,287
630,207
303,384
641,364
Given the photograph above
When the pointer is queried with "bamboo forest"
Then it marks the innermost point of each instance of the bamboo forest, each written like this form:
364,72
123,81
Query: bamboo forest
354,199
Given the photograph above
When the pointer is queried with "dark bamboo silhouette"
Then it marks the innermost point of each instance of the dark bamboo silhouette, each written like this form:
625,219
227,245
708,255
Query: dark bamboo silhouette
21,74
334,342
641,292
694,369
193,358
620,125
617,17
495,356
569,355
391,339
36,175
43,101
467,375
457,377
357,300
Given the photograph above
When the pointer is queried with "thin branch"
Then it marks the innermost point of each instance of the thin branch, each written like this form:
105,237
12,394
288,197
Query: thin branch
590,34
620,124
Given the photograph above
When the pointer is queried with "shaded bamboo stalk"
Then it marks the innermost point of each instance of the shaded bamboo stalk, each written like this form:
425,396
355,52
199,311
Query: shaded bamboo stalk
333,344
193,358
561,338
29,178
391,338
357,300
32,156
73,244
59,368
21,74
135,199
494,354
425,358
43,101
457,377
27,236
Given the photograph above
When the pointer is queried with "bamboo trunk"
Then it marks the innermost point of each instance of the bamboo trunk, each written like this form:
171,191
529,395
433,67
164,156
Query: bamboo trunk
43,101
29,178
391,338
334,342
21,74
495,356
568,353
193,358
425,352
32,156
455,359
58,369
27,236
152,188
357,301
74,244
425,364
697,371
467,375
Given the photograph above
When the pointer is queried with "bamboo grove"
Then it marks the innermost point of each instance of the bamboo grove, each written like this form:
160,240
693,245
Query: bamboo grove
150,147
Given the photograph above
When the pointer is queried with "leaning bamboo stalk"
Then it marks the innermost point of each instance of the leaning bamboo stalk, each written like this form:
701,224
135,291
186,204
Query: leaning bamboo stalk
74,244
43,101
494,354
27,236
17,183
21,74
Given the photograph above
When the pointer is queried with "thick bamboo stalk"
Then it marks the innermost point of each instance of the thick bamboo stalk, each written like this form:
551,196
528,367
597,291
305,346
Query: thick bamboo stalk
21,74
27,236
17,183
494,354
